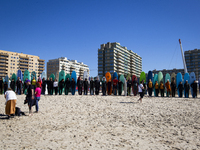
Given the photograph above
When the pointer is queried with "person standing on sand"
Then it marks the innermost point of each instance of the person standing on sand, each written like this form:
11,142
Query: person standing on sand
109,87
140,90
61,86
150,87
5,87
104,86
173,86
12,84
43,86
33,82
135,87
51,86
67,86
115,81
48,86
129,86
80,85
187,88
194,87
55,86
97,86
120,87
73,86
156,86
85,83
91,86
30,96
1,85
11,99
168,88
37,96
180,88
162,88
19,86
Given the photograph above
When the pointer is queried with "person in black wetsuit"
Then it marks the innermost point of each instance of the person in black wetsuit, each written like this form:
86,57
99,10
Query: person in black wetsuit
51,86
61,86
109,84
48,86
97,86
80,85
187,88
43,86
85,84
12,84
104,87
91,86
180,88
5,86
67,86
173,87
1,85
194,87
73,86
120,83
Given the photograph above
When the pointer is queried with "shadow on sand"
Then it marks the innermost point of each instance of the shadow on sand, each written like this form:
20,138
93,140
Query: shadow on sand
128,102
2,116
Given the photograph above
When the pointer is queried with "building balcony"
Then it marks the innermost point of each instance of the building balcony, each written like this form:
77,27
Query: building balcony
24,67
40,72
3,64
41,66
41,60
4,60
41,69
3,71
23,60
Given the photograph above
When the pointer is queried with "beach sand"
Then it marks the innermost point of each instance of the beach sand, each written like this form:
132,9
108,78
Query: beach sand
103,122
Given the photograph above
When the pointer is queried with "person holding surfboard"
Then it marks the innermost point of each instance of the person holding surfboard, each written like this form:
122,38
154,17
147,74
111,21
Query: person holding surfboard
168,88
162,88
173,86
115,81
12,84
85,83
1,85
97,86
187,88
91,86
120,83
19,86
135,87
67,86
103,86
129,83
80,85
73,86
109,87
156,86
55,86
141,91
180,88
61,86
194,86
150,87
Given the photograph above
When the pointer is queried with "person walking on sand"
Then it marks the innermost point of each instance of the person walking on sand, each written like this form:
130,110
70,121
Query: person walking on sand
30,96
11,100
168,88
140,90
37,96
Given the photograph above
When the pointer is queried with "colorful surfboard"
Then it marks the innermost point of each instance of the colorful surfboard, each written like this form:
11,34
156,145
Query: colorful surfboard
108,78
62,75
154,81
128,76
143,77
160,78
121,78
150,76
15,79
19,74
186,77
178,80
52,76
43,75
192,79
33,74
115,75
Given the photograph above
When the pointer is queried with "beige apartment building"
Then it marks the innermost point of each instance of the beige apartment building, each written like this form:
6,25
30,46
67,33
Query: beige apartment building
11,62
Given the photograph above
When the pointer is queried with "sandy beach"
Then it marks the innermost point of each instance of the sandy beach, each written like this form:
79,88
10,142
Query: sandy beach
103,122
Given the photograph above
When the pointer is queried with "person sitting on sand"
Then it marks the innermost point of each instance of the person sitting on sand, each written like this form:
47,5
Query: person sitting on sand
11,100
140,90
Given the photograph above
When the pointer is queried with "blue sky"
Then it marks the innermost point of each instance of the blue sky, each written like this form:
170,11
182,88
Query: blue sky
76,29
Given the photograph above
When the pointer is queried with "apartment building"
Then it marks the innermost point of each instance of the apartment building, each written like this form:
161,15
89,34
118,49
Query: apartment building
11,62
164,71
112,57
192,59
56,65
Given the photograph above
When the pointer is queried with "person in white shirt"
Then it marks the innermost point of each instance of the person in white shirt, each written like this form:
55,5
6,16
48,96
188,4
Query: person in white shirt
11,100
140,90
55,86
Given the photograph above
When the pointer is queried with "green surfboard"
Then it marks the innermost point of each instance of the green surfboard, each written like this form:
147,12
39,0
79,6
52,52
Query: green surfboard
143,77
160,78
52,76
61,76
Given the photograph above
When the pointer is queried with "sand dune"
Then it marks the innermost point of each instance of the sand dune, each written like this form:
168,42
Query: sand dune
103,122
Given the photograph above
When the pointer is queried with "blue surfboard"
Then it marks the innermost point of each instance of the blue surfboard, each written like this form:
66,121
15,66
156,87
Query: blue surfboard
192,79
178,80
186,77
115,75
19,74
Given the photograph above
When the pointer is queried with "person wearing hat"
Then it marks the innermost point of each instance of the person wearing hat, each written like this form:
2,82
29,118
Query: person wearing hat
187,88
30,96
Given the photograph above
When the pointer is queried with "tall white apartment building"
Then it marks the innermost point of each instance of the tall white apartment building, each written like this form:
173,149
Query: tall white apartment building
112,57
56,65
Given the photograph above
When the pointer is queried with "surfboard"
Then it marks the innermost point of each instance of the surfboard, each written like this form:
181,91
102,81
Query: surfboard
125,87
43,75
26,76
178,80
62,75
33,74
186,77
192,79
173,77
52,76
85,76
121,78
115,75
19,74
150,76
128,76
73,75
7,79
143,77
15,79
108,77
154,81
160,78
